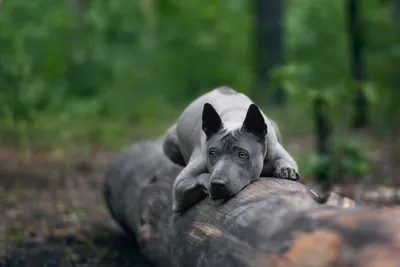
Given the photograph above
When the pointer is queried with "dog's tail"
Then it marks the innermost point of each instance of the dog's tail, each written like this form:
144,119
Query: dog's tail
171,148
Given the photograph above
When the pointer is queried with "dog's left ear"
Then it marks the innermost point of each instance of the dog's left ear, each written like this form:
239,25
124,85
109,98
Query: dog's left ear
212,122
254,122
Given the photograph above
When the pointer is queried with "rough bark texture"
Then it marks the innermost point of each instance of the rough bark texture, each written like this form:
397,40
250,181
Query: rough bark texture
271,222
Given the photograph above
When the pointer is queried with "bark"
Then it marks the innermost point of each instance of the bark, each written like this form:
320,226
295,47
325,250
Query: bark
360,118
271,222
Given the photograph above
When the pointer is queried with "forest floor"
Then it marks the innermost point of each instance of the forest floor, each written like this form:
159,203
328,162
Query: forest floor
53,213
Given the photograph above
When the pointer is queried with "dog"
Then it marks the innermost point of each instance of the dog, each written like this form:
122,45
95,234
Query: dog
224,142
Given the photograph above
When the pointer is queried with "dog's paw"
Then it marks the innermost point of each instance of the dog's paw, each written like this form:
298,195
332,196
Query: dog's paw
287,173
203,182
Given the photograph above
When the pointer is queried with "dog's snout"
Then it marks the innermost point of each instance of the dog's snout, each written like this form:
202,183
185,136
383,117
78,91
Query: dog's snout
218,189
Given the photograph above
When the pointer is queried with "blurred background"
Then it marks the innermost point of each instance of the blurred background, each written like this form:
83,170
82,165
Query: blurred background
82,79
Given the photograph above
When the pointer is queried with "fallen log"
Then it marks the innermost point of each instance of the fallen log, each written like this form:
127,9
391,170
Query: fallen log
270,223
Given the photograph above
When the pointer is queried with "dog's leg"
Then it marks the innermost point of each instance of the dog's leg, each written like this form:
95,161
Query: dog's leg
280,164
171,147
190,185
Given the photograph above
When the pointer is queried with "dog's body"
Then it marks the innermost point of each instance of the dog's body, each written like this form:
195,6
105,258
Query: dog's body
225,142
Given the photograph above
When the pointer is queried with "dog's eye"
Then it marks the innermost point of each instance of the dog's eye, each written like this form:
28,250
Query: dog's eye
212,154
243,155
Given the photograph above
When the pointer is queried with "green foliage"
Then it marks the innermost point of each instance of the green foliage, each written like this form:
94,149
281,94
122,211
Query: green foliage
314,165
353,157
318,58
350,162
111,71
63,70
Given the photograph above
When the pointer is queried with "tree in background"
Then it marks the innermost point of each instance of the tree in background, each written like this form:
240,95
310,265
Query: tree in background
360,119
324,146
396,14
269,45
393,104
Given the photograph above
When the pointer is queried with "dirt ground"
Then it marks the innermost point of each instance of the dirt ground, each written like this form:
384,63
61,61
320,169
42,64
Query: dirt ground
53,214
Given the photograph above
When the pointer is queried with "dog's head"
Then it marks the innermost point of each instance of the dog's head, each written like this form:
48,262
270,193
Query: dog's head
235,157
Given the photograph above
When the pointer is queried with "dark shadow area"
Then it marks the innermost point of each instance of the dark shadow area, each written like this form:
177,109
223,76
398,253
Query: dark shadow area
53,214
101,246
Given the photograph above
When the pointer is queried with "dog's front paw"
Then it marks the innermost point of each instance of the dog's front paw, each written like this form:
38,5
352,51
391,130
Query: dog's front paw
203,182
287,173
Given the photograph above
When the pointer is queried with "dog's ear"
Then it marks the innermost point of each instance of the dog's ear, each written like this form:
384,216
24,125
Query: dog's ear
211,120
254,122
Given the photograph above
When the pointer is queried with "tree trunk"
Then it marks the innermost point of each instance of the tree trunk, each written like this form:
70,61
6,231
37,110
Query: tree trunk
271,222
269,45
395,70
323,127
323,132
360,119
78,72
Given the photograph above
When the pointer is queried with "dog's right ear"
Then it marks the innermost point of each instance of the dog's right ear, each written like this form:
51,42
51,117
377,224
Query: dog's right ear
212,122
254,122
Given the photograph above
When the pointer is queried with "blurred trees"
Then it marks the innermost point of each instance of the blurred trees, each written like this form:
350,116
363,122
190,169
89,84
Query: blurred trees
268,46
81,70
360,118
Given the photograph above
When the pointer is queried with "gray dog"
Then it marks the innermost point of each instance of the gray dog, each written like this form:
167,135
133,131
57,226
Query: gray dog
224,142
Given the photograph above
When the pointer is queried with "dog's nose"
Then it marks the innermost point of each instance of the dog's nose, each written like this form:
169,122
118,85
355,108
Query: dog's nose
218,189
218,185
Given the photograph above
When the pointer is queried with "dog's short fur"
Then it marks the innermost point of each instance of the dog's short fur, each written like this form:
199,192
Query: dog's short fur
225,142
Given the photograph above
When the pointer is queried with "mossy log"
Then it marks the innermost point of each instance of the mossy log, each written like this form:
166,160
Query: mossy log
270,223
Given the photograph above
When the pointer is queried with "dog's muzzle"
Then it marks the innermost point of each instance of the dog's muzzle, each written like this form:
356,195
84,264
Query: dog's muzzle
219,189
